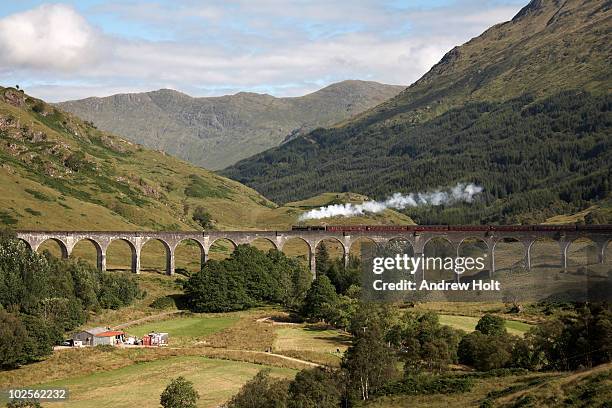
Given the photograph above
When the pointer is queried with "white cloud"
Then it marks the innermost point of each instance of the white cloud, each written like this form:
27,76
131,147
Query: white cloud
286,49
48,37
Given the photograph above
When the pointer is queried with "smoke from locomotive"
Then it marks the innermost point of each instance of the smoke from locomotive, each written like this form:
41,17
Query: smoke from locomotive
460,193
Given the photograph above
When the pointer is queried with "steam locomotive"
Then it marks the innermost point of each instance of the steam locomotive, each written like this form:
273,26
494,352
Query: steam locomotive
416,228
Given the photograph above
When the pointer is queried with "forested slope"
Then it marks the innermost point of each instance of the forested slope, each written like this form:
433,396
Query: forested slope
523,109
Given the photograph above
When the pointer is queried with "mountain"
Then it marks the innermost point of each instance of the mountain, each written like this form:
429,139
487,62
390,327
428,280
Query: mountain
58,172
216,132
523,110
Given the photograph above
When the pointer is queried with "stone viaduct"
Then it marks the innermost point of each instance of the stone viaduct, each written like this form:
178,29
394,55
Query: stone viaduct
417,239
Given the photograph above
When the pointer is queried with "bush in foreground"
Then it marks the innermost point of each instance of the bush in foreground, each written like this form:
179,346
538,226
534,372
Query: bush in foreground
261,392
179,394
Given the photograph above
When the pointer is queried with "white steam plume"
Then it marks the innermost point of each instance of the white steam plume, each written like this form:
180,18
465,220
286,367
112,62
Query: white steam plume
461,192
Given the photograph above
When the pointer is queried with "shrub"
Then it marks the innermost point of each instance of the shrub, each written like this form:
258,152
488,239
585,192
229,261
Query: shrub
179,394
491,325
261,392
485,352
428,384
314,388
117,291
38,107
29,403
202,217
164,302
77,161
12,336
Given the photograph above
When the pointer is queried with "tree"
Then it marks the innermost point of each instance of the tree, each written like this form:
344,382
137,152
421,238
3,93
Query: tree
179,394
423,342
46,297
248,277
261,392
13,334
42,336
323,259
485,352
261,276
368,314
369,363
314,388
340,312
489,347
321,292
574,340
293,279
216,289
491,325
343,277
202,217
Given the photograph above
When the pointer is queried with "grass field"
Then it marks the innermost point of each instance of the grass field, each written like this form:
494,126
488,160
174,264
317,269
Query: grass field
311,338
311,342
188,327
141,384
468,324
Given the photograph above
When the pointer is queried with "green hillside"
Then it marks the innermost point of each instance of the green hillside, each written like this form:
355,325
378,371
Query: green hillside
215,132
523,110
59,172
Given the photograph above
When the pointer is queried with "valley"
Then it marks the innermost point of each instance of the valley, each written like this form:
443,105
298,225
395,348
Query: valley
501,152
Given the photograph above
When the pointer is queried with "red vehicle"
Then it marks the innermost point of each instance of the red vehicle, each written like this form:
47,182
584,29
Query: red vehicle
511,228
594,227
387,228
416,228
554,228
427,228
342,228
469,227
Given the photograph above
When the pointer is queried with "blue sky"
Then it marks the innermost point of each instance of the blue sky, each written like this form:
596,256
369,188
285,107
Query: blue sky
74,49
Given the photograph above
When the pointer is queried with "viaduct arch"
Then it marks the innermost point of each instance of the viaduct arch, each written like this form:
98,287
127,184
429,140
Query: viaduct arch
417,239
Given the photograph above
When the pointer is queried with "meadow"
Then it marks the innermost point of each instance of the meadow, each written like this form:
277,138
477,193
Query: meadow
141,384
468,324
187,327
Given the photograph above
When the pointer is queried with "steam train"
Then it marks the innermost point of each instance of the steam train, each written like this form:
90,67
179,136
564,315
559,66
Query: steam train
416,228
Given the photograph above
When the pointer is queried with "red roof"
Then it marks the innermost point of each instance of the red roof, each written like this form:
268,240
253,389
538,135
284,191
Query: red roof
110,333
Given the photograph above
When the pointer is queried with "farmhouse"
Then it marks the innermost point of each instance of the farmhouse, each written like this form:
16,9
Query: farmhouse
110,337
87,336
